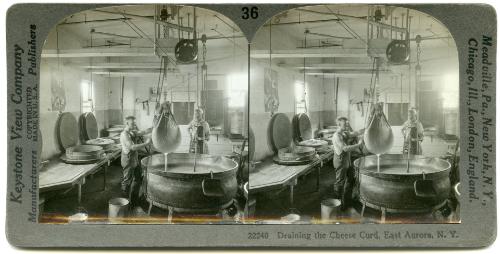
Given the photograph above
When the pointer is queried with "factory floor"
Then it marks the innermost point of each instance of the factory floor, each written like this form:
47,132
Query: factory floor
94,198
61,204
272,206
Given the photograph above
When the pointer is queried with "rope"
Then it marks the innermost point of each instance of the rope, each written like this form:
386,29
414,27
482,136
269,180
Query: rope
270,47
345,26
418,71
149,38
270,59
159,85
204,74
91,86
305,93
371,90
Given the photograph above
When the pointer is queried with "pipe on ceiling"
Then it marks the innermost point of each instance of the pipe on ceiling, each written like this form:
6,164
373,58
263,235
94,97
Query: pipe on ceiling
371,22
303,22
94,21
167,24
114,35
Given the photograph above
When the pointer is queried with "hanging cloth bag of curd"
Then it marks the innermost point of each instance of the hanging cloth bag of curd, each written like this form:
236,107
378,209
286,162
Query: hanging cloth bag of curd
378,136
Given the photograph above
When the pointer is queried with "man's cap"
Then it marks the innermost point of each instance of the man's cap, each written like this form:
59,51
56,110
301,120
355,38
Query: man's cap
342,118
130,118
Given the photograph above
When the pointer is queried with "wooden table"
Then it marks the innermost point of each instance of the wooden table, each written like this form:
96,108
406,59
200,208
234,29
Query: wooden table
58,175
216,131
270,176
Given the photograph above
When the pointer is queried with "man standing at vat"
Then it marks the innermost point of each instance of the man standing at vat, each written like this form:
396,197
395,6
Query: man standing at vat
344,173
132,174
413,133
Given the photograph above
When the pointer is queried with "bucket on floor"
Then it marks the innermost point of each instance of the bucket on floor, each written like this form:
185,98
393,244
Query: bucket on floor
330,209
118,208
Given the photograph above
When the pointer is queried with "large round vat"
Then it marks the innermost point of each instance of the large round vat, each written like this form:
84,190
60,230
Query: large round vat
210,186
399,184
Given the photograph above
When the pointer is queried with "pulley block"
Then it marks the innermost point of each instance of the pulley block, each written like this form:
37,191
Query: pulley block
186,51
398,52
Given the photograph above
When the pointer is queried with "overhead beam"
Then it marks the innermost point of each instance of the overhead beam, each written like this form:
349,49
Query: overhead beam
310,53
350,48
330,66
145,18
150,65
125,51
93,31
371,22
126,73
303,22
93,21
100,52
138,65
140,73
348,74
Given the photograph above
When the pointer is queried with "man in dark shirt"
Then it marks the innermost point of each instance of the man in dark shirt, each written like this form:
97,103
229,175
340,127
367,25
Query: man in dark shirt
131,180
344,176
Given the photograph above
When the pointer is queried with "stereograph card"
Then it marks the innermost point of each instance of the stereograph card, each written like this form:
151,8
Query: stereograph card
251,125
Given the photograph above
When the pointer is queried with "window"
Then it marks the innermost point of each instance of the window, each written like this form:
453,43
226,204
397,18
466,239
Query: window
87,96
300,97
450,91
238,85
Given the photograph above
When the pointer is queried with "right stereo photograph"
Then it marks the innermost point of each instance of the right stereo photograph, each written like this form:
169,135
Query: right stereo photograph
353,113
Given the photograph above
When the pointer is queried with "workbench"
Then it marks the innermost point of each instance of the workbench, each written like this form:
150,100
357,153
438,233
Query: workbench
268,175
57,175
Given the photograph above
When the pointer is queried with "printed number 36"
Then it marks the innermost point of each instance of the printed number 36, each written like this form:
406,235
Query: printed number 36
250,12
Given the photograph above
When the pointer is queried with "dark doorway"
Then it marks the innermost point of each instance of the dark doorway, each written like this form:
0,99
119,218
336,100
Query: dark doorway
430,109
214,107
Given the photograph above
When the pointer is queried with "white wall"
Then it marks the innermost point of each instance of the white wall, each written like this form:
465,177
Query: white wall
71,78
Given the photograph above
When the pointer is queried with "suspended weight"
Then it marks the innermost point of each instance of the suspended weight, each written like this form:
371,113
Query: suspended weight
378,136
398,52
186,51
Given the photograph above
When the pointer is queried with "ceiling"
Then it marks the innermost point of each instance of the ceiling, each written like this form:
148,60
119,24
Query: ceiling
333,39
354,16
329,37
138,21
121,39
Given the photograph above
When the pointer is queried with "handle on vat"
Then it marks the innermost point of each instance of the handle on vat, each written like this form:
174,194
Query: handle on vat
424,188
212,187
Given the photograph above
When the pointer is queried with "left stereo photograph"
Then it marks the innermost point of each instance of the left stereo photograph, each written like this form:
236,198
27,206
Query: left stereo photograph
144,117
